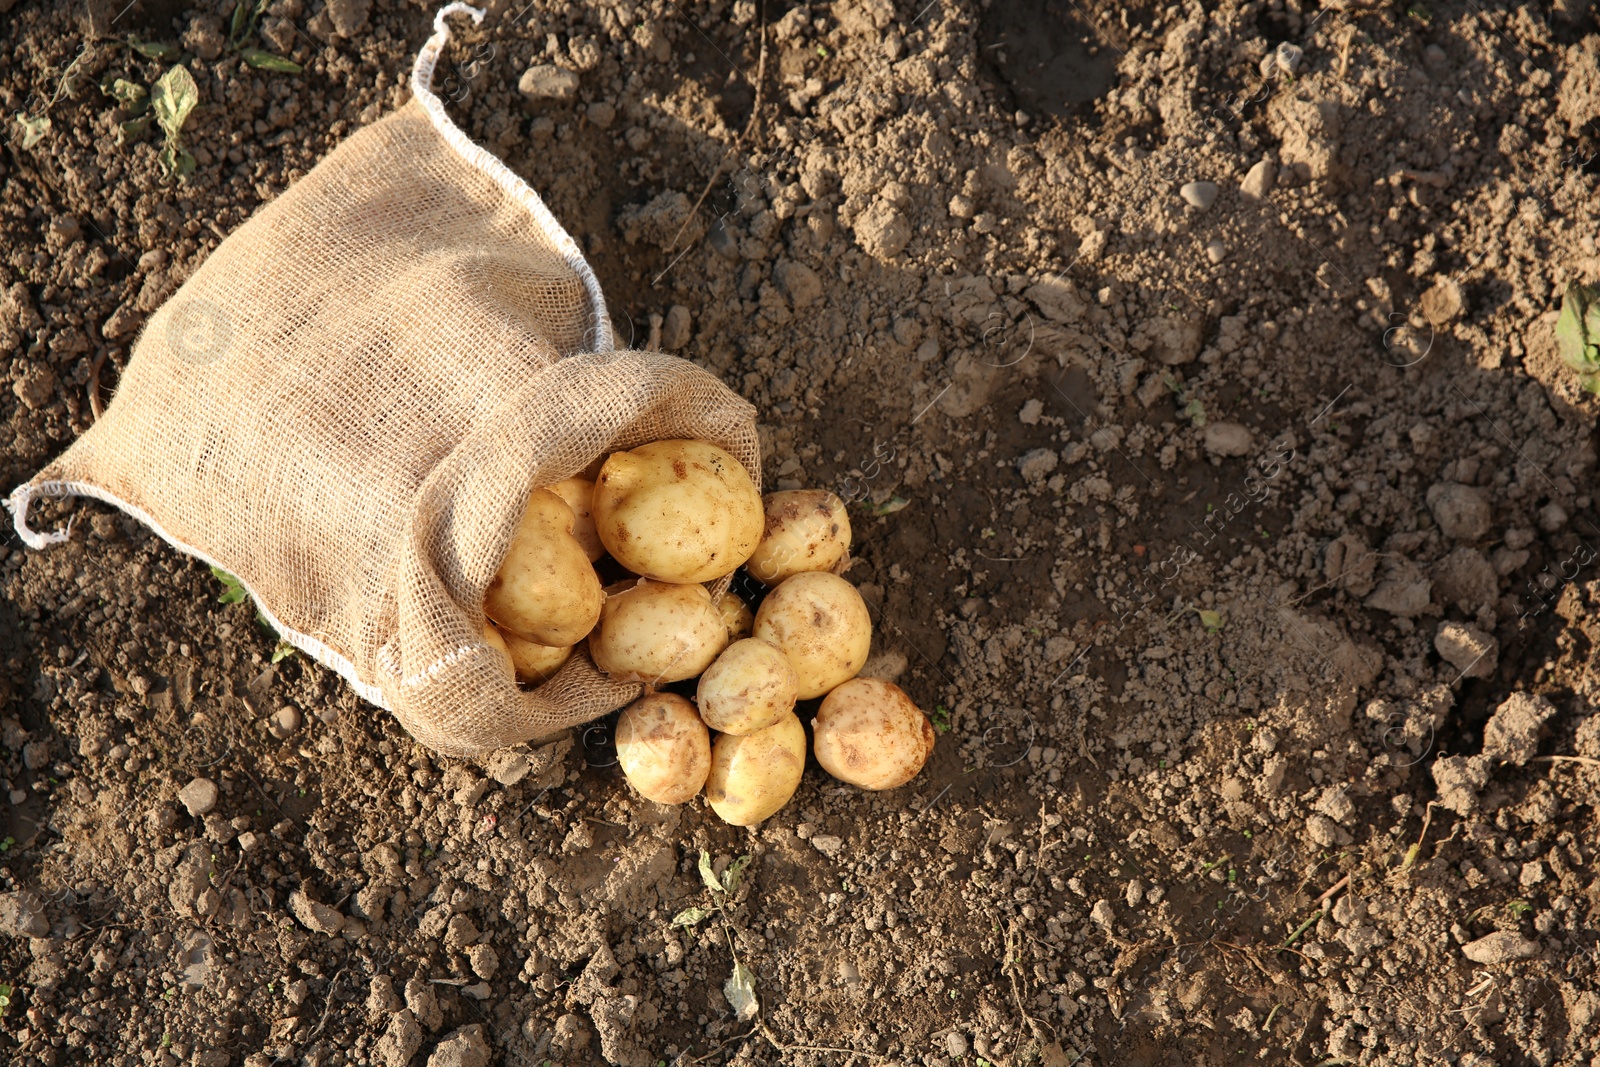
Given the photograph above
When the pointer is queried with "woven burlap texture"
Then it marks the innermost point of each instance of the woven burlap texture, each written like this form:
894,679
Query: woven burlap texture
348,403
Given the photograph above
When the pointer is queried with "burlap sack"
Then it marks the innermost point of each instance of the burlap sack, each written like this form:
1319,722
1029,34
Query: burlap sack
347,405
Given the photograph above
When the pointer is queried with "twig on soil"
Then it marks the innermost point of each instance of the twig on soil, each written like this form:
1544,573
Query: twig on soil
782,1046
1585,760
1334,890
327,1006
1415,850
96,408
749,127
1012,966
929,805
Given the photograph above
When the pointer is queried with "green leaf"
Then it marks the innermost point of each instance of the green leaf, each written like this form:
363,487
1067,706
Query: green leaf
283,651
173,99
233,589
34,127
240,21
1195,412
267,61
740,989
707,875
691,916
1211,620
890,506
1578,333
734,875
153,49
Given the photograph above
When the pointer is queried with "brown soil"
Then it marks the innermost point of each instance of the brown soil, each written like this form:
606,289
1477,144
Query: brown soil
1247,551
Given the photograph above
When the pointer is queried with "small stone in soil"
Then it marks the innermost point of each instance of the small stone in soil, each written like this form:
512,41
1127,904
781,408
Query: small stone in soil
284,721
1502,946
1260,179
199,796
1216,251
548,82
1227,439
1199,194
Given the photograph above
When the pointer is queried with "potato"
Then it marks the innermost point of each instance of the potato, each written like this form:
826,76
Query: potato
753,775
869,733
664,748
807,530
545,591
532,662
657,633
749,687
579,495
677,511
821,623
736,616
497,641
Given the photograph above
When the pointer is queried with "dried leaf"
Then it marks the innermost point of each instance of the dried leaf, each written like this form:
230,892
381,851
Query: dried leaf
153,49
173,99
133,129
267,61
176,162
34,128
890,506
734,875
707,875
691,916
740,989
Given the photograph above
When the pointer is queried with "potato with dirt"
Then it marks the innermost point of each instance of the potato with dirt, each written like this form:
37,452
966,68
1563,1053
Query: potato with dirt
658,632
663,748
806,530
869,733
677,511
748,688
546,591
821,623
753,775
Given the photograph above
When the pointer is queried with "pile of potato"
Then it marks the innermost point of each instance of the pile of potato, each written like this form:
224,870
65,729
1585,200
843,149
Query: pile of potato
673,515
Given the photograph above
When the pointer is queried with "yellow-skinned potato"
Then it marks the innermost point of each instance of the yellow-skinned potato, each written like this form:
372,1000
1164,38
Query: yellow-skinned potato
579,495
497,641
806,530
821,623
545,591
753,775
749,687
532,662
736,616
869,733
677,511
657,633
663,747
